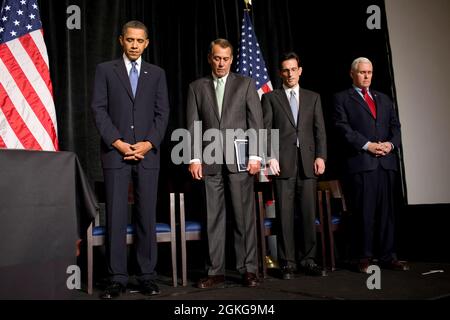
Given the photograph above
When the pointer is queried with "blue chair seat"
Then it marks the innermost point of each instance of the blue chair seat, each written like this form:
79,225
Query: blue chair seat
193,226
162,227
268,223
101,230
335,219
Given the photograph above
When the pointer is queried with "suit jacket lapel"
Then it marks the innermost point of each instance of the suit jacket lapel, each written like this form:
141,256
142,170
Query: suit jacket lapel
229,89
357,97
144,76
285,106
302,104
121,72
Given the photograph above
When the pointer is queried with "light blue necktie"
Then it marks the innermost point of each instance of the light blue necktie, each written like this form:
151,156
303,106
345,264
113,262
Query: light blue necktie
134,76
220,88
294,106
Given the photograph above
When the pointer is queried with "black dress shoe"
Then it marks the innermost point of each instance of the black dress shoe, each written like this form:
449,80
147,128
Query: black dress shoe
149,288
314,270
250,280
113,291
287,273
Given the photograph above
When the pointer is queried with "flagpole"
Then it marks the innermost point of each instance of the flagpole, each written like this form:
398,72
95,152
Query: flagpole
247,3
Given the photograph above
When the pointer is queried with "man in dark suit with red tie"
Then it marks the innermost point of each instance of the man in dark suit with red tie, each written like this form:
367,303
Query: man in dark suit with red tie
297,114
131,109
367,123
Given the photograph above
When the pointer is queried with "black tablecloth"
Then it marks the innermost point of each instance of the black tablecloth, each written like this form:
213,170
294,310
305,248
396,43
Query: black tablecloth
46,203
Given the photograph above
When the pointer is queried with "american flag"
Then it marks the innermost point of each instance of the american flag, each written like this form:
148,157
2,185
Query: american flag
250,60
27,110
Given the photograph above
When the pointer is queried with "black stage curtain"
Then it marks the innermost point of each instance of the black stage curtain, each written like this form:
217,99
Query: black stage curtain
326,35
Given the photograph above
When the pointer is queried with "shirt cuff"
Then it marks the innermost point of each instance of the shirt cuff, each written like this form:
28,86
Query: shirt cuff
255,158
366,146
195,161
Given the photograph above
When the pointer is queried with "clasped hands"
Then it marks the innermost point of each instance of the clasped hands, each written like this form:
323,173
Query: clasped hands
379,149
133,152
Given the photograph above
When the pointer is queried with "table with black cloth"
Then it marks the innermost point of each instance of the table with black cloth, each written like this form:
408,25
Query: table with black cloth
46,204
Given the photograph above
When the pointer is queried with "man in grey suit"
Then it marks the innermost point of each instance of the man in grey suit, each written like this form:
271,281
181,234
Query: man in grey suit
131,110
224,101
297,114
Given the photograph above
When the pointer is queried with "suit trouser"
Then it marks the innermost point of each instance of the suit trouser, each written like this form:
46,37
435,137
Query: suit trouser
145,183
372,205
295,202
240,186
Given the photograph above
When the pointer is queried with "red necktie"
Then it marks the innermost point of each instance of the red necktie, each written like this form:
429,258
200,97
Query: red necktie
369,102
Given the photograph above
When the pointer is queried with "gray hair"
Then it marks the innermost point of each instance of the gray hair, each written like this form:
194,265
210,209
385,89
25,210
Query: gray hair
358,61
223,43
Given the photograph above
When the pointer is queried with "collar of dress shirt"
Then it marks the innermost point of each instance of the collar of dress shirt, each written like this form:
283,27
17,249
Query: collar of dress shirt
128,64
225,77
287,90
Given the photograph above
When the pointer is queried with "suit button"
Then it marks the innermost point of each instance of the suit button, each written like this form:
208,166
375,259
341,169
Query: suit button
132,127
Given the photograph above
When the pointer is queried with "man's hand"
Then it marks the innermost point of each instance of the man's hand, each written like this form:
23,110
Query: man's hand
133,152
274,167
385,147
196,170
319,166
379,149
253,166
139,149
123,147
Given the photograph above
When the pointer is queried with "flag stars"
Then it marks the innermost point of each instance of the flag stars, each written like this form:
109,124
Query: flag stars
32,16
35,6
5,18
16,23
7,8
13,33
1,30
29,27
20,12
23,2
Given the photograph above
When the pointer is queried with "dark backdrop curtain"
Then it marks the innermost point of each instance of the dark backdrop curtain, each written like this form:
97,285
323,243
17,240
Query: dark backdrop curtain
327,36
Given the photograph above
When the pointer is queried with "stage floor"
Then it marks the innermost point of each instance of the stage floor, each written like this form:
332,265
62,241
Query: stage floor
341,284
